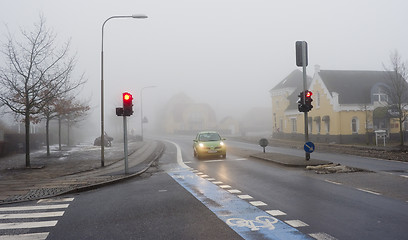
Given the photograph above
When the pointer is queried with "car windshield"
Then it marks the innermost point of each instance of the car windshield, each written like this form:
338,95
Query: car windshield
209,137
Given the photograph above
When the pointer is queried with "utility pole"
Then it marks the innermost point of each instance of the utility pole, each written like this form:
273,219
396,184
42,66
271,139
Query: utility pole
302,61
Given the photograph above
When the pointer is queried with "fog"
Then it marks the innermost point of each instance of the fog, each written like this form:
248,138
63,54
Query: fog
225,53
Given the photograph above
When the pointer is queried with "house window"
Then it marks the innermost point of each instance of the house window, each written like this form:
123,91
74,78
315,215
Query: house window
317,100
318,124
380,95
280,125
326,120
310,124
354,125
294,125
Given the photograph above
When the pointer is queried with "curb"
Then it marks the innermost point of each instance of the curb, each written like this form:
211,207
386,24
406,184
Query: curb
154,156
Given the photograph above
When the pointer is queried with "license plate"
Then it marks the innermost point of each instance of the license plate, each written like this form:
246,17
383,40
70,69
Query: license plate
212,151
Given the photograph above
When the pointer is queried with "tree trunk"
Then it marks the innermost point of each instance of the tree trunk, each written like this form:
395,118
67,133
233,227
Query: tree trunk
47,133
401,133
59,133
27,138
68,133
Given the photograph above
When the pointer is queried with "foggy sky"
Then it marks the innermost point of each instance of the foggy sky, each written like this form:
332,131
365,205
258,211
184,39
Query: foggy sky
227,53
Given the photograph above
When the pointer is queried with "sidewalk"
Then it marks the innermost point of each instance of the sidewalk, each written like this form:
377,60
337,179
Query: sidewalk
71,170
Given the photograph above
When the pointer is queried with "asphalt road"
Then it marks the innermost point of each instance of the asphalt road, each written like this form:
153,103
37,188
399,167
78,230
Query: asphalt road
239,197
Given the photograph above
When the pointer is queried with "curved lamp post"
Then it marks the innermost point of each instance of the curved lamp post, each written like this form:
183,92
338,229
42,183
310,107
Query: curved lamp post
141,109
102,105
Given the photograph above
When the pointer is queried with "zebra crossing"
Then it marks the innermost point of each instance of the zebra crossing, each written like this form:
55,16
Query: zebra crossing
31,222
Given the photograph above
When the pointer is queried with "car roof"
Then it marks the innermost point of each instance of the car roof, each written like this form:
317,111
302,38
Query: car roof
208,132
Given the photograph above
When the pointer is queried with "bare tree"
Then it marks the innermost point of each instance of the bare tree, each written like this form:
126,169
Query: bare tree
35,71
59,107
398,90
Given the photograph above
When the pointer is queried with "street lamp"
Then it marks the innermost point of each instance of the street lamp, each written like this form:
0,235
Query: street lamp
102,105
141,109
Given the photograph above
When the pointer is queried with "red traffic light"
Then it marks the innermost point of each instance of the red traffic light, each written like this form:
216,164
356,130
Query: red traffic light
309,94
127,96
127,104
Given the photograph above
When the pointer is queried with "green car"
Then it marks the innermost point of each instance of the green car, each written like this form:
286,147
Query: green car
209,143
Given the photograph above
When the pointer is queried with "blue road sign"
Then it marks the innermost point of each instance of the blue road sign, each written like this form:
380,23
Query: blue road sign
309,147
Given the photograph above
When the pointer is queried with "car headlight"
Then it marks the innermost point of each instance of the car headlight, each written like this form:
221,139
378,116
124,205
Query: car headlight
201,145
222,144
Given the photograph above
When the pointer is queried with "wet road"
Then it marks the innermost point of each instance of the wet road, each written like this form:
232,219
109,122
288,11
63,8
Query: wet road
232,198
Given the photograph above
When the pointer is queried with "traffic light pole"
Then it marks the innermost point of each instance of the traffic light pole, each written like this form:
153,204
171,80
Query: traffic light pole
304,60
125,143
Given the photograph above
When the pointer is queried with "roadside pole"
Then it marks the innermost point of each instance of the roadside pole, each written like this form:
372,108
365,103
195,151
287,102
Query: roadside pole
125,143
304,61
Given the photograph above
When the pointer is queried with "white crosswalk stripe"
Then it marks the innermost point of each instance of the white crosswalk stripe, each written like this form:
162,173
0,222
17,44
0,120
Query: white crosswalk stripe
39,217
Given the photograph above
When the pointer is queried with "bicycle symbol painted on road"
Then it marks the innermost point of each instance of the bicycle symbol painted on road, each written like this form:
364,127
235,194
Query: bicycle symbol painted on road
254,225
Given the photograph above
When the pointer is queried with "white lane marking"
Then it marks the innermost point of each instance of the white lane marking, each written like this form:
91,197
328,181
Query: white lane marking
195,171
245,197
322,236
368,191
20,225
404,176
225,186
329,181
211,179
179,157
32,215
296,223
30,236
55,200
217,182
241,159
275,212
258,203
204,176
199,173
28,208
210,161
234,191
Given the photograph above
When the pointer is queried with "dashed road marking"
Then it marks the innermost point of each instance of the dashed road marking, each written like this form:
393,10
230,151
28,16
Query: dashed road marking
224,186
210,161
234,191
26,218
28,208
29,236
296,223
4,226
275,213
322,236
32,215
217,182
204,176
211,179
258,203
52,200
368,191
330,181
245,197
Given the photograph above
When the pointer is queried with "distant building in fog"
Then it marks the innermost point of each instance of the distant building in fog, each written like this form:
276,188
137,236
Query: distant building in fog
348,106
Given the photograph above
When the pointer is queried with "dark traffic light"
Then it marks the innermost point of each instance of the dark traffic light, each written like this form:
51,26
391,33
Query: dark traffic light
127,104
305,101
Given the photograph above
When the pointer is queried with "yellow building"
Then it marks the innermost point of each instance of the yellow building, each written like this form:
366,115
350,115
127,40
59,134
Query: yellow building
348,106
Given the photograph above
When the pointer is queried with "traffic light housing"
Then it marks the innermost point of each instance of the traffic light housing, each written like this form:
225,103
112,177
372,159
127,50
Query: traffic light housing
305,101
127,104
308,100
301,101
